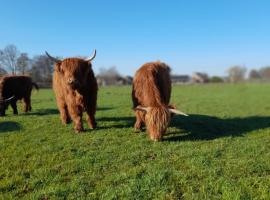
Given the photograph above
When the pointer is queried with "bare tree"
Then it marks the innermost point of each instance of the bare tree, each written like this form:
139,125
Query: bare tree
42,69
108,76
8,57
110,72
265,73
2,71
237,73
23,63
254,75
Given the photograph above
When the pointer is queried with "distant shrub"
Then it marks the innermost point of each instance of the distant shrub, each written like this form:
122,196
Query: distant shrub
216,79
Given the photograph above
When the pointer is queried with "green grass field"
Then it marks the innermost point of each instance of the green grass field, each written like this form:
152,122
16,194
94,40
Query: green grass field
221,151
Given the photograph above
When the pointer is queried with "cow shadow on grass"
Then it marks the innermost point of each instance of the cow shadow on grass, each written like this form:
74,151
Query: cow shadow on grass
198,127
104,108
9,126
203,127
55,111
42,112
118,122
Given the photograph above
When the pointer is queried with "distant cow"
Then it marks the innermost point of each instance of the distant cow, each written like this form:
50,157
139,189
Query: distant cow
75,88
14,88
151,92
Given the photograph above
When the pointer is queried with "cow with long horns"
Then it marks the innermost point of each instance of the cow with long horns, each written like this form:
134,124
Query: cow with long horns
75,88
14,88
151,92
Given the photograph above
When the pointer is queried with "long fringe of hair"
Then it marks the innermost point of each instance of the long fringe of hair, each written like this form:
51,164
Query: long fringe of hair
157,120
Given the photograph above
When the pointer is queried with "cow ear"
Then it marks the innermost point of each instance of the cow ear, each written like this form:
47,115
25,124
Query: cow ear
57,67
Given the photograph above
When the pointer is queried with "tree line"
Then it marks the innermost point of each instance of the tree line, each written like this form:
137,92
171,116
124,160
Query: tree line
40,68
240,73
13,61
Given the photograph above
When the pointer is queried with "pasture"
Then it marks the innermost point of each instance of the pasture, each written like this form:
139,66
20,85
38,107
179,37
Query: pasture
221,151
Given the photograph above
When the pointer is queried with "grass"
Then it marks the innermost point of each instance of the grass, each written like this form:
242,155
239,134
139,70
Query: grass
222,151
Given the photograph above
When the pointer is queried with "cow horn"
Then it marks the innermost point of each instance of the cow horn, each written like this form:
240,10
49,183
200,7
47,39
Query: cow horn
89,59
141,108
8,99
177,112
52,58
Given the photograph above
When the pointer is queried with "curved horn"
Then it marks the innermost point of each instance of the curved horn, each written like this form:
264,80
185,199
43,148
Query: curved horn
89,59
177,112
8,99
141,108
52,58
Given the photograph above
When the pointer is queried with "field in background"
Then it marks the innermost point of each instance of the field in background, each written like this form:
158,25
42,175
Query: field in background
222,151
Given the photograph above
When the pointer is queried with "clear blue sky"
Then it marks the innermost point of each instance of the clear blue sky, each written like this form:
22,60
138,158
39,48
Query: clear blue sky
189,35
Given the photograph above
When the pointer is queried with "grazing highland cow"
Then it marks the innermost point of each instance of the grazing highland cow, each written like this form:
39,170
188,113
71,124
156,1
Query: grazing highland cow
75,88
14,88
151,92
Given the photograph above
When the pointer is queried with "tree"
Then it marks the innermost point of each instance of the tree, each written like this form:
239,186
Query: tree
265,73
108,76
42,69
110,72
254,75
237,73
216,79
23,63
8,57
2,71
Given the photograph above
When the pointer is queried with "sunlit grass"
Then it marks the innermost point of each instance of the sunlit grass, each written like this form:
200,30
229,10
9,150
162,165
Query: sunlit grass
222,151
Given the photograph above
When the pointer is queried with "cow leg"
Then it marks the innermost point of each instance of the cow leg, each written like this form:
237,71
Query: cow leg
65,117
139,121
14,107
3,110
91,119
91,105
76,115
27,104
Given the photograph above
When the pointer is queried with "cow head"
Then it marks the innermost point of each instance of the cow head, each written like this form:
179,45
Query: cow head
74,70
4,104
157,119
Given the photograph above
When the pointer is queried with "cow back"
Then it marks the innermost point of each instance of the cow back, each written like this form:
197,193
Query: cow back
152,85
18,86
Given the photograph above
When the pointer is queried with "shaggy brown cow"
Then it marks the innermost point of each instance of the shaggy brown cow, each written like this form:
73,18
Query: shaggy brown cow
75,88
151,92
13,88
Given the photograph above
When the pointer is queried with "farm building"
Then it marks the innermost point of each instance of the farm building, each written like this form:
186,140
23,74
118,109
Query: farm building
198,77
180,79
113,80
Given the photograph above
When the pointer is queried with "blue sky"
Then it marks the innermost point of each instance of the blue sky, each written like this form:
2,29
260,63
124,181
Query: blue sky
189,35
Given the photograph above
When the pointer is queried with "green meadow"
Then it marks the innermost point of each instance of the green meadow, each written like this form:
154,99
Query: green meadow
221,151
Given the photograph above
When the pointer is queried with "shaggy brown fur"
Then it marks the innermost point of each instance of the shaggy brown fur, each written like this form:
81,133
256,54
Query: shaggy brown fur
19,87
75,87
152,89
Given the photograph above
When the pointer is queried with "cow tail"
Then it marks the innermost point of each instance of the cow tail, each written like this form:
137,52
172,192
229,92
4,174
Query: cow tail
35,85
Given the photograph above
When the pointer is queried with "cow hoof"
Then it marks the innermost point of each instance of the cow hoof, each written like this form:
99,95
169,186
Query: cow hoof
79,130
137,130
93,126
66,123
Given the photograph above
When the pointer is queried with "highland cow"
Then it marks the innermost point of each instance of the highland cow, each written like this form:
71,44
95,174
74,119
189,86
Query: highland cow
14,88
75,88
151,92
